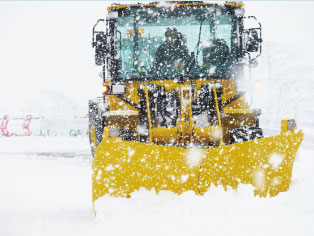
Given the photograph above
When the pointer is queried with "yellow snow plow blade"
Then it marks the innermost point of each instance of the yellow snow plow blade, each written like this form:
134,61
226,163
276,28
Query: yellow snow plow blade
122,167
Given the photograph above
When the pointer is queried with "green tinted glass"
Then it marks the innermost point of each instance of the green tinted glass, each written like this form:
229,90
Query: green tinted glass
165,44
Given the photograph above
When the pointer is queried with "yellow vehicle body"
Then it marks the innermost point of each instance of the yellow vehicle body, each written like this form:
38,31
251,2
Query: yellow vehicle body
187,156
122,167
237,112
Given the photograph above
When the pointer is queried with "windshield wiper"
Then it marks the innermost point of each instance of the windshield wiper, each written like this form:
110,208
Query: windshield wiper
197,49
199,39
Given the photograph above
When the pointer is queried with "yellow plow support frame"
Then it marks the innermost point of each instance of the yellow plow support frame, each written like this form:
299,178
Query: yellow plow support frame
122,167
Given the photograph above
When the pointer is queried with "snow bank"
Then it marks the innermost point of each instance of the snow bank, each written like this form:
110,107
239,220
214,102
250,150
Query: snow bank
216,213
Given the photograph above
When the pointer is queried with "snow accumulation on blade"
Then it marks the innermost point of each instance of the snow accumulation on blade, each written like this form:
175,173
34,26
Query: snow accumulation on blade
51,195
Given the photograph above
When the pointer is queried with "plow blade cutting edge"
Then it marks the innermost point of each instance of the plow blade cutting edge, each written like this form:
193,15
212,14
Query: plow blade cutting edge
122,167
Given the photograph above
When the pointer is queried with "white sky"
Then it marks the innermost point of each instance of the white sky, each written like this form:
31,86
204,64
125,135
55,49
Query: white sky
47,46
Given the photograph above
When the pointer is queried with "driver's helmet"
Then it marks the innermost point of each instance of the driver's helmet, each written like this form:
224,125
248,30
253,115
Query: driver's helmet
172,34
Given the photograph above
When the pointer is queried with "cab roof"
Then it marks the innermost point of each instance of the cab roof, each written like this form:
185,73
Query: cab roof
115,7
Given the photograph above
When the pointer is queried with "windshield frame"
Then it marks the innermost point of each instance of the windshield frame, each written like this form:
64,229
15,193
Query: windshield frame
235,50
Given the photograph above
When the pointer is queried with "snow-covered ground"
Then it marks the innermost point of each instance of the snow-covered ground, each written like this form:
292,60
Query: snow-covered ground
47,69
45,186
46,190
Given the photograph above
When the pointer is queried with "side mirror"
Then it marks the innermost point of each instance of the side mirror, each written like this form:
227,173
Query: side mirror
99,42
100,45
252,37
253,42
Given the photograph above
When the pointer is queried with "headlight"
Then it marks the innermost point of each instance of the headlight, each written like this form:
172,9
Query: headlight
118,89
113,89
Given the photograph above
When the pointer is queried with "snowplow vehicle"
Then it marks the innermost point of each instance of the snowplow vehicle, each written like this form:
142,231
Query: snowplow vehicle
171,115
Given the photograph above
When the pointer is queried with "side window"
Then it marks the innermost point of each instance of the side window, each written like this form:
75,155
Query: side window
124,44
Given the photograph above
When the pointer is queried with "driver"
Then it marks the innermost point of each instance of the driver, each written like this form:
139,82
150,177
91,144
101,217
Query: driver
171,54
217,56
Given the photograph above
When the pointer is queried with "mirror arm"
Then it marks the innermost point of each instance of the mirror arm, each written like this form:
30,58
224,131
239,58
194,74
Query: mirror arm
250,75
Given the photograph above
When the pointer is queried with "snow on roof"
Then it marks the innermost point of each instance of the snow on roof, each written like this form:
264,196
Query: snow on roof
116,6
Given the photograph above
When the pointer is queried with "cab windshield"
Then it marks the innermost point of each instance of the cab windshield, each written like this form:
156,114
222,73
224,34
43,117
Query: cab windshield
165,43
